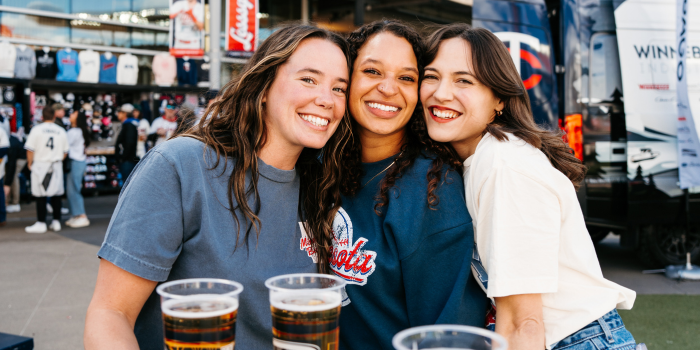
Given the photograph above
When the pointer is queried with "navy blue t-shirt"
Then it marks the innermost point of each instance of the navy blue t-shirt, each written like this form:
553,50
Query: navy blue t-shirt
408,267
186,72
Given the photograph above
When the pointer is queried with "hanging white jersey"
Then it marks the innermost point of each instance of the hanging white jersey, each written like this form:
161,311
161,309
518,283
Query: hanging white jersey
48,141
127,69
89,66
8,55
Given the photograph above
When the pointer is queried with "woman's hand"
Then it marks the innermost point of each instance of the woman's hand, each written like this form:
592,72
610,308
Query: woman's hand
519,319
117,301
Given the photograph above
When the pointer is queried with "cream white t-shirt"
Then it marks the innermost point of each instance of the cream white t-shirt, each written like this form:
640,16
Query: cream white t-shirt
532,236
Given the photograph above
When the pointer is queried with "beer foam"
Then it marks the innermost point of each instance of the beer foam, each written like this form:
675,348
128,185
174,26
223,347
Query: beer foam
305,300
206,302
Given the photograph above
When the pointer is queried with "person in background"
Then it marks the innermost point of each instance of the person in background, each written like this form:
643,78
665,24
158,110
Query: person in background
164,127
16,160
78,140
144,128
127,141
4,147
47,146
58,113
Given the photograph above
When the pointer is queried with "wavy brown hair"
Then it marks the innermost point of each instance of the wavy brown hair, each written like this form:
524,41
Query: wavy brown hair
494,67
416,142
236,129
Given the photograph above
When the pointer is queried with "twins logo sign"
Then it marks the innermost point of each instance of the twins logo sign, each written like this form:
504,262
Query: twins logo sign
517,53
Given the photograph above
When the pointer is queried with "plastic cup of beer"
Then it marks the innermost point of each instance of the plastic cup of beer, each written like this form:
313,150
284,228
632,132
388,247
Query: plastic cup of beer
305,311
199,313
448,337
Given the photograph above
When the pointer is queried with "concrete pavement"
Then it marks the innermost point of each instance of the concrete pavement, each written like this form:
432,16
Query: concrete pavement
46,281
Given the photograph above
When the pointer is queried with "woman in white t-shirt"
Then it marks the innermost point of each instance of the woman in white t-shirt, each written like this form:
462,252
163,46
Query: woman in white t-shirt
537,261
78,139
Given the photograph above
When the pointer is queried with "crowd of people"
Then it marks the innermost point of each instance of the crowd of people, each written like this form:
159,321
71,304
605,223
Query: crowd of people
55,156
409,166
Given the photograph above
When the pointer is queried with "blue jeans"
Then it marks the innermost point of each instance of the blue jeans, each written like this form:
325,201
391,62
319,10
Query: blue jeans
607,332
125,169
74,184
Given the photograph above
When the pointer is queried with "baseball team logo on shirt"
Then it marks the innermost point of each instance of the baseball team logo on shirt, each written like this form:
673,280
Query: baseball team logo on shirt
349,261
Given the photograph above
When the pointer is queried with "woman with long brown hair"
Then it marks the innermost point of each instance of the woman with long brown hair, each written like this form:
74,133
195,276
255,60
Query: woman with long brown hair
226,200
539,264
402,235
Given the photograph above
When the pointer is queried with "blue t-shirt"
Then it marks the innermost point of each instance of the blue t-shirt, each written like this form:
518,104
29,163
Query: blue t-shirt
68,65
411,266
108,69
172,222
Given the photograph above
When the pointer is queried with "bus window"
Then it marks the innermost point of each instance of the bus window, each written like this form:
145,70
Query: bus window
605,75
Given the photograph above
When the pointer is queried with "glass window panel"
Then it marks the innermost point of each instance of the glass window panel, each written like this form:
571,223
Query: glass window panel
93,33
43,5
100,6
150,4
34,27
149,40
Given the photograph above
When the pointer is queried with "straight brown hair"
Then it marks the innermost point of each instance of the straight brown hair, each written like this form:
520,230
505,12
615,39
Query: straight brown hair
494,67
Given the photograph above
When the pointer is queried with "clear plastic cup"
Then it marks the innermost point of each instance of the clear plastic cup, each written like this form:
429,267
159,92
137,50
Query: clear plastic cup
305,311
199,313
448,337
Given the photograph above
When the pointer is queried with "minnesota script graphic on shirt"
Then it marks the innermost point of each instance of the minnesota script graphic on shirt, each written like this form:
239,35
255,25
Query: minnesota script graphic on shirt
349,261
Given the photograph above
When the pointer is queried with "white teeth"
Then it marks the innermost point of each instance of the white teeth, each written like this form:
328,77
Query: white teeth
314,120
383,107
443,114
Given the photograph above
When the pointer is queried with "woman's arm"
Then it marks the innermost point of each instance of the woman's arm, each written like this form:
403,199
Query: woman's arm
519,320
117,301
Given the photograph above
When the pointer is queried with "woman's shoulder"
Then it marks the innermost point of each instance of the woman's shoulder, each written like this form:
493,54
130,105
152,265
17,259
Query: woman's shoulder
511,151
182,150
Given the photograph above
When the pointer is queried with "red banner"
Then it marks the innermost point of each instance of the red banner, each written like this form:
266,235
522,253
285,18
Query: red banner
241,27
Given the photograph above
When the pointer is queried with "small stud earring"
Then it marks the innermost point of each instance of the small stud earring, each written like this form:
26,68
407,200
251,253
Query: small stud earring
499,113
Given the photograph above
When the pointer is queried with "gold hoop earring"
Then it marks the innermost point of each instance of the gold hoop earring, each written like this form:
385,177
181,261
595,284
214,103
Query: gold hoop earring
499,113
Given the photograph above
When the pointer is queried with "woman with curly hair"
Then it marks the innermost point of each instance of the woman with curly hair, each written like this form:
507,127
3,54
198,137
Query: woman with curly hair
539,263
402,238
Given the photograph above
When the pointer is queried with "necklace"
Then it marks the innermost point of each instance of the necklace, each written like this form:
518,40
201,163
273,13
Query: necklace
381,172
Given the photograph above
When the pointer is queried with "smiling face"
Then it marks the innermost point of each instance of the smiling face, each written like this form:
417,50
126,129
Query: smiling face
384,89
456,105
306,101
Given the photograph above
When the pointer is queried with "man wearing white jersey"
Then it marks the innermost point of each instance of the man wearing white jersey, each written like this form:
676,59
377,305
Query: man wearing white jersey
164,127
47,146
188,18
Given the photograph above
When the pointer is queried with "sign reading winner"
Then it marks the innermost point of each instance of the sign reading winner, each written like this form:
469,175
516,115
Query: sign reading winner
186,28
241,27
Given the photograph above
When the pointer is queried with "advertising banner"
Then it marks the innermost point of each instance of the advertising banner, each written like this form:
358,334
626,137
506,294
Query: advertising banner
688,144
186,28
646,36
241,27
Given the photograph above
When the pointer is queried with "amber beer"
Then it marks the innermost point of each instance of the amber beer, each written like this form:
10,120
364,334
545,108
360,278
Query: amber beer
311,320
199,314
305,311
200,323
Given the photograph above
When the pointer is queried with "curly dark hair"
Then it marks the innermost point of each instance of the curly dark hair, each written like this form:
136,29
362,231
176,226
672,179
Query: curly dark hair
416,140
